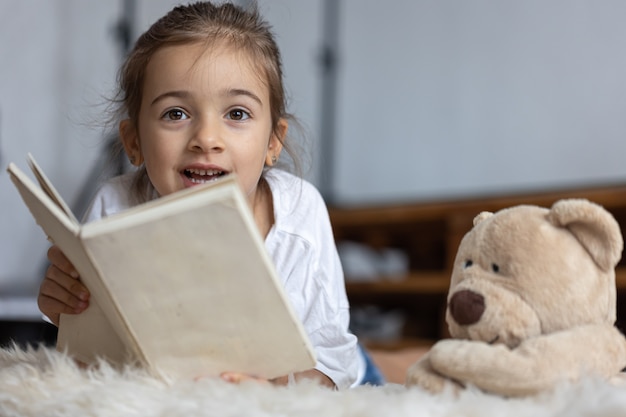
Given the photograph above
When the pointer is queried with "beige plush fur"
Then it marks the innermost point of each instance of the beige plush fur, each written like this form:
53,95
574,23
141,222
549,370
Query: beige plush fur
47,383
532,302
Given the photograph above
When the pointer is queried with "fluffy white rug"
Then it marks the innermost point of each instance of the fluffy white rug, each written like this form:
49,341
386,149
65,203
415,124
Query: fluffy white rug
44,382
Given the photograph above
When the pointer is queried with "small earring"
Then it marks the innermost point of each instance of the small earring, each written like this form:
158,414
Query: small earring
274,159
132,160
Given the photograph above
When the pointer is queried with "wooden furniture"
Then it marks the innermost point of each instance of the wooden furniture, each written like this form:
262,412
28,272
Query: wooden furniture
429,233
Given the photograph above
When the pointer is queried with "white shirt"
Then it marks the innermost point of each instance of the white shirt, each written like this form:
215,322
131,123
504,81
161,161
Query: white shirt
302,246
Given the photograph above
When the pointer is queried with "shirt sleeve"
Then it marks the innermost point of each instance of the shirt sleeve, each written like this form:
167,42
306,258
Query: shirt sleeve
111,198
315,288
306,257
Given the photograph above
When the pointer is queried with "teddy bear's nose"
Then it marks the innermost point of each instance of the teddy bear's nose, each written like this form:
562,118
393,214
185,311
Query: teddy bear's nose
466,307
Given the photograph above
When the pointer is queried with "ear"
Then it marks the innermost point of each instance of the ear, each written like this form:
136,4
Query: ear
594,227
130,140
275,145
482,216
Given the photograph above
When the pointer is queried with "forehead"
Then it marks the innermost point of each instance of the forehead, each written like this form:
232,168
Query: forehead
198,66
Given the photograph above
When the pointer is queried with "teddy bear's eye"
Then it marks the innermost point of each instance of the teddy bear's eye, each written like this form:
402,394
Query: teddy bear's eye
495,268
468,263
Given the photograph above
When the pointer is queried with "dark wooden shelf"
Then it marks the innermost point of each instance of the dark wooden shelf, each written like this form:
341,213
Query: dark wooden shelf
398,344
416,283
426,283
429,233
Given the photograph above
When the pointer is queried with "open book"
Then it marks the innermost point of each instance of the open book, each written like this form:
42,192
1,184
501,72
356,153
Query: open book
181,284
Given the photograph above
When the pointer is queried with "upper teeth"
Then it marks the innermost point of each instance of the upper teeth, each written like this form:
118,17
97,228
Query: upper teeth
204,171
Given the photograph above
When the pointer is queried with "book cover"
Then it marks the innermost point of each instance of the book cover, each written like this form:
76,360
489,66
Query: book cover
182,284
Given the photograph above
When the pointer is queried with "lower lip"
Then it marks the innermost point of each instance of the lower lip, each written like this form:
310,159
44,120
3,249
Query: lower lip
187,183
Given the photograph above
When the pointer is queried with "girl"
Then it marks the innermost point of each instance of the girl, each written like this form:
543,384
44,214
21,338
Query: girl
202,96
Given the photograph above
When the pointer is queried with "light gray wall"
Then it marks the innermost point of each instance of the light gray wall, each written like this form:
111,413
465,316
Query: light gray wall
435,98
453,98
297,25
57,58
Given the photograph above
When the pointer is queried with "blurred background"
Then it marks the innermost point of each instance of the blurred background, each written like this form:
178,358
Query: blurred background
402,100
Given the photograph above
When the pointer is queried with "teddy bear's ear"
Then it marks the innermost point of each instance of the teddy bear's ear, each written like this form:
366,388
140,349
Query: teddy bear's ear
595,228
482,216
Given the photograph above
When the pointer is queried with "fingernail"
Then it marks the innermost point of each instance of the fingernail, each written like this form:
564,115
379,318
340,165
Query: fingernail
83,295
229,377
74,274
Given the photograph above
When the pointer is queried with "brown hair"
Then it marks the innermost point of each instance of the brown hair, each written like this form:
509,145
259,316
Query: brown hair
206,23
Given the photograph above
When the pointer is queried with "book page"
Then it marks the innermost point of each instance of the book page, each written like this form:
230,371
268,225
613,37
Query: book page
197,289
64,232
48,214
89,336
148,211
49,189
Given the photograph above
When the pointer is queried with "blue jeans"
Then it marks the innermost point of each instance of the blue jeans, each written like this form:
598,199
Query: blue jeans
372,376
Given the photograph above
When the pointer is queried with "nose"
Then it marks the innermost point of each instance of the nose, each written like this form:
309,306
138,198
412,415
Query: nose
206,136
466,307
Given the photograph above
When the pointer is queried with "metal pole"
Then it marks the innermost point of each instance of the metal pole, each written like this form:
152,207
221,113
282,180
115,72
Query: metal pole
329,67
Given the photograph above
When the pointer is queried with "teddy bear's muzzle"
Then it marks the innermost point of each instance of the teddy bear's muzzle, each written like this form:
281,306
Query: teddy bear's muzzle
466,307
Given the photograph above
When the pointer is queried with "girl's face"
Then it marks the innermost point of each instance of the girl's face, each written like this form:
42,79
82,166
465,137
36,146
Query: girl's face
203,114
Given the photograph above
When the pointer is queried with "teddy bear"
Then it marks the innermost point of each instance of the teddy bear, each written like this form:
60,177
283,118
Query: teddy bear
531,303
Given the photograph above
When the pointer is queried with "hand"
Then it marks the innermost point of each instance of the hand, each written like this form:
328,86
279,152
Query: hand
236,378
61,291
313,374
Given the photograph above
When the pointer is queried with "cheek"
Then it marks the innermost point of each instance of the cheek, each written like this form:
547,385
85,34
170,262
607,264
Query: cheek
157,145
251,152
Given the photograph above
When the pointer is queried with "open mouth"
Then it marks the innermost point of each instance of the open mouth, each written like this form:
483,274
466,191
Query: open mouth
202,176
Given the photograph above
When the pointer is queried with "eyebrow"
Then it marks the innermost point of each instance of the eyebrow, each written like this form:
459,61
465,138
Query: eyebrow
232,92
175,94
242,92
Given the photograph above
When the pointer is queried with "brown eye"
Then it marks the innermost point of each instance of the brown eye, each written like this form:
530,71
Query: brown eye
175,114
238,115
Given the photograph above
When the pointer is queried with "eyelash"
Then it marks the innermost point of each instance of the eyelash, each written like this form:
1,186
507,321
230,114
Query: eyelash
244,113
182,115
168,115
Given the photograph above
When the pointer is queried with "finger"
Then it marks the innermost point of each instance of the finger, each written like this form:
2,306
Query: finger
281,380
56,307
50,304
231,377
55,299
237,378
58,259
53,308
66,289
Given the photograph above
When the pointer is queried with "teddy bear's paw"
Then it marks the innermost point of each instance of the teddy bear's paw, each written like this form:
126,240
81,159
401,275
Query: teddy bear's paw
421,374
